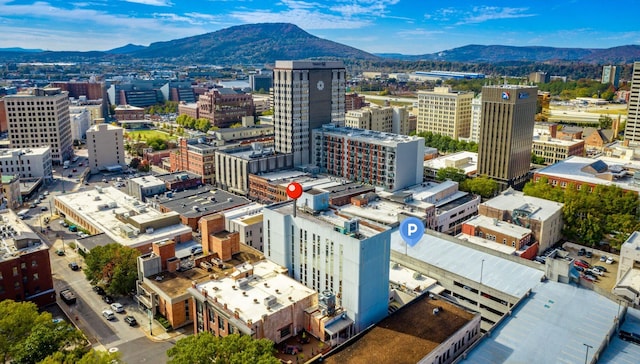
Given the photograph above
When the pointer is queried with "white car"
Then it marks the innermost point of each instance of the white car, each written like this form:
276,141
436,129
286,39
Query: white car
596,272
610,260
108,314
118,307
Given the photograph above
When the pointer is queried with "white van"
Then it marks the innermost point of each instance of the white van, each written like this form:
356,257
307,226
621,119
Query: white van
108,314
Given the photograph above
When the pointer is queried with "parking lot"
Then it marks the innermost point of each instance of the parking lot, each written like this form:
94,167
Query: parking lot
606,282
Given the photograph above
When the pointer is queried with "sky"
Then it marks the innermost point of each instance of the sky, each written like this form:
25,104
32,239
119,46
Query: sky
375,26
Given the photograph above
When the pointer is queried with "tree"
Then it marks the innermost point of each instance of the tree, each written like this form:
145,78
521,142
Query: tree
452,173
481,185
28,336
82,357
236,125
113,264
144,166
537,160
605,122
135,162
232,349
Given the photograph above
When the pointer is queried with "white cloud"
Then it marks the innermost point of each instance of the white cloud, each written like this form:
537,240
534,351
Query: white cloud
301,17
486,13
151,2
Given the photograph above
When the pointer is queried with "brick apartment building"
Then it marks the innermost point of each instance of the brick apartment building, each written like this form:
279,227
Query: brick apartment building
225,107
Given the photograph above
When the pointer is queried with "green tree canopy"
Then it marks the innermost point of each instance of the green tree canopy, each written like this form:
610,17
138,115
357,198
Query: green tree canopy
204,348
27,336
114,265
452,173
81,356
481,185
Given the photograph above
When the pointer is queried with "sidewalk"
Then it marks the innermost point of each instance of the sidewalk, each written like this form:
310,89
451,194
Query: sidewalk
157,333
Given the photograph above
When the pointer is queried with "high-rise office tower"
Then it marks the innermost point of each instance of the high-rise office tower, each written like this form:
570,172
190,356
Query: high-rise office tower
306,95
445,112
506,133
611,75
40,118
632,130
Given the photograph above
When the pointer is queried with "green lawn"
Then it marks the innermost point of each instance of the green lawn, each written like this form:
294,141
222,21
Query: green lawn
149,134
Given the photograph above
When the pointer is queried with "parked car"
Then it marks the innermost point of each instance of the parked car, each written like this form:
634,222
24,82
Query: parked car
68,296
589,254
130,320
596,272
588,278
603,258
60,252
99,290
107,299
108,314
610,260
117,307
582,252
578,263
600,268
579,268
74,266
592,276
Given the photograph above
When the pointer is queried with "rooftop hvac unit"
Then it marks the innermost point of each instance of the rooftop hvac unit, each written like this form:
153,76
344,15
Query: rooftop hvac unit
270,301
243,283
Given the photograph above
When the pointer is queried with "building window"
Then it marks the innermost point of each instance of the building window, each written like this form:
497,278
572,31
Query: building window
15,271
285,331
35,276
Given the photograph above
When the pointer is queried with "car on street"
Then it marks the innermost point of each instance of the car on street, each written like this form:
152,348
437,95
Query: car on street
74,266
59,252
107,299
130,320
117,307
610,260
70,175
108,314
99,290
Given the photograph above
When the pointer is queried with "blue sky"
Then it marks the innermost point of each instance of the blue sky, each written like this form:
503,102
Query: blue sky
376,26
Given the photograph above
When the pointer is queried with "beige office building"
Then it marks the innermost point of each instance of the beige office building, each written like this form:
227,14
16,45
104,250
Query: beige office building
371,118
40,118
106,147
306,95
506,132
445,112
632,129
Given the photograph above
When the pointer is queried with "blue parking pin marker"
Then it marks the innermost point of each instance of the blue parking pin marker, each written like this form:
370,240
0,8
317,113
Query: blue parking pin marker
411,230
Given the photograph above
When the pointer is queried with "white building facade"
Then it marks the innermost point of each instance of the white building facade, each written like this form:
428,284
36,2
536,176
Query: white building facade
105,144
325,256
80,118
27,163
445,112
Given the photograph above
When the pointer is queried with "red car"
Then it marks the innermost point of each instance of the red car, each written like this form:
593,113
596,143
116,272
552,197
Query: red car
581,264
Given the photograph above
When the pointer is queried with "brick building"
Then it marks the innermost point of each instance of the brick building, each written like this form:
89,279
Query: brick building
225,107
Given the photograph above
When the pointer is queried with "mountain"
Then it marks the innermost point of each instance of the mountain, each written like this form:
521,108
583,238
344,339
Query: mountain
18,49
252,43
129,48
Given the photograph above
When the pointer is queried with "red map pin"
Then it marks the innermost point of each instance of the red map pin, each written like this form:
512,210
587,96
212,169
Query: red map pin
294,190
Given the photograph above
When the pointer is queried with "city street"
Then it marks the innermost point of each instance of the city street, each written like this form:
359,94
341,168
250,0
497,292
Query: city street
135,344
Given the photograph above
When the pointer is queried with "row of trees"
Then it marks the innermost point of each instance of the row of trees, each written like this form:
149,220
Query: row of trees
606,213
447,144
201,124
168,107
580,88
29,337
481,185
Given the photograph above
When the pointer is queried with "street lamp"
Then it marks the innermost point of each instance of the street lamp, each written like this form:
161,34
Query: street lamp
480,286
586,357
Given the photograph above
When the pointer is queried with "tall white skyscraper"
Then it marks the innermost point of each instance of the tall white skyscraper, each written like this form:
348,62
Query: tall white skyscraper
306,95
40,119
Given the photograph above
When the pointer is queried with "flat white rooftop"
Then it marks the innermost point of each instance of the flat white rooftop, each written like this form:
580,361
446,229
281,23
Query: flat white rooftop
571,168
511,199
552,325
86,205
556,141
243,212
265,282
466,161
504,275
507,249
404,276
